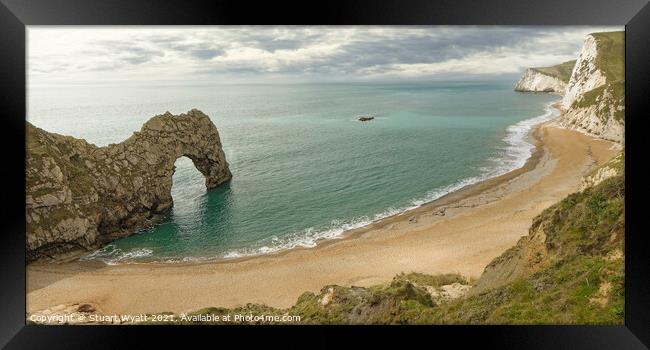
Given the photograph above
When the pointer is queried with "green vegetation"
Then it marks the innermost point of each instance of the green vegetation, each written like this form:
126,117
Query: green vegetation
431,280
608,97
561,71
584,280
611,54
581,280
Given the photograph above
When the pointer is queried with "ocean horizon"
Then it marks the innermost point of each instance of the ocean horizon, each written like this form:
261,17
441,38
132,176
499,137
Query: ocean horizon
304,168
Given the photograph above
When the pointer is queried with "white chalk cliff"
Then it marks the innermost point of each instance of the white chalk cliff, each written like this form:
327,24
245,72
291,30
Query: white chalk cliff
594,96
585,76
534,80
546,79
594,102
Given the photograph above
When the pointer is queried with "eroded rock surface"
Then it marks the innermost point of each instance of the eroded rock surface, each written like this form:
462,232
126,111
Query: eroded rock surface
595,96
80,196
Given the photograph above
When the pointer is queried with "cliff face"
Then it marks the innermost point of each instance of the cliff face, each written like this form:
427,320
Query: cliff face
594,102
593,87
546,79
79,196
535,81
586,75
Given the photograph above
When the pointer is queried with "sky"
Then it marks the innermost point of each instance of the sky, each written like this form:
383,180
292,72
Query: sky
260,54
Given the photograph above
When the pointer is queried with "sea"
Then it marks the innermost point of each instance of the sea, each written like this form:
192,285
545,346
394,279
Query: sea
304,168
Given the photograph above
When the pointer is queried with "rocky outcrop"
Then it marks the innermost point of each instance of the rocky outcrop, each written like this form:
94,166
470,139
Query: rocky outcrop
546,79
614,167
594,102
80,196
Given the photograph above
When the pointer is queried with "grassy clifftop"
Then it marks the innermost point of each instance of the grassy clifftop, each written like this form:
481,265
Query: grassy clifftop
561,71
568,270
610,97
610,59
611,54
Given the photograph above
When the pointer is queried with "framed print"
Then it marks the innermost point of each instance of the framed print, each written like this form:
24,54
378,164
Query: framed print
417,167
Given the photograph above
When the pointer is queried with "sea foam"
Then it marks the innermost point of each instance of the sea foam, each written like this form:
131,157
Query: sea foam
112,255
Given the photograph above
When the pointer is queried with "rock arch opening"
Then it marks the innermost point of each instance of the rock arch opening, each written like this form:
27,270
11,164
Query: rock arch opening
188,185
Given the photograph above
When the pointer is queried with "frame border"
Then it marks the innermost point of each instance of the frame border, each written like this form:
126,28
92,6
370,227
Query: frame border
15,15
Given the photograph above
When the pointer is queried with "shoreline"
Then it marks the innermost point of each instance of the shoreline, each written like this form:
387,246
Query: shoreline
447,198
552,110
480,222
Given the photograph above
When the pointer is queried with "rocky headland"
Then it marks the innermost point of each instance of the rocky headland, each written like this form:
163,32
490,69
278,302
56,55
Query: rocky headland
593,91
80,196
546,79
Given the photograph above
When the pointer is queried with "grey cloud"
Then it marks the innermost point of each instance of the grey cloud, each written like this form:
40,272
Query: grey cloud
120,53
429,45
366,49
136,59
119,47
279,44
206,54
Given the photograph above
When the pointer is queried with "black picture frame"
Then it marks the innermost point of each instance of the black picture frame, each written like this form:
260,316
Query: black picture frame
15,15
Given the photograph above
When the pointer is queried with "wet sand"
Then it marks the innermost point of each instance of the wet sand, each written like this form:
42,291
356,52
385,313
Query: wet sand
461,232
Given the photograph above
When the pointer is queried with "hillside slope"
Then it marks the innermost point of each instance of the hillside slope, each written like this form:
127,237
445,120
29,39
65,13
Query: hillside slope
569,269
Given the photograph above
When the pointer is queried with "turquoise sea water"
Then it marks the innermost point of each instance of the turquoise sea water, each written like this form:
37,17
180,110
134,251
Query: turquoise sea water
303,168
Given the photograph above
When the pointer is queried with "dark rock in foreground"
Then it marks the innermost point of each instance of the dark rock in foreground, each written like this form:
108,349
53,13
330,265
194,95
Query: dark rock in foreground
80,196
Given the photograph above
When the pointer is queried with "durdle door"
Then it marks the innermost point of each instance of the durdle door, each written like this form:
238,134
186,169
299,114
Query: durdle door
80,196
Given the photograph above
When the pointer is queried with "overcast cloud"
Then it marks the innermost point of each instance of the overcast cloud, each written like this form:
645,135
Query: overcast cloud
290,53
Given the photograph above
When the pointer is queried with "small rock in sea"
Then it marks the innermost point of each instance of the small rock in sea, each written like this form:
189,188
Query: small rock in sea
365,119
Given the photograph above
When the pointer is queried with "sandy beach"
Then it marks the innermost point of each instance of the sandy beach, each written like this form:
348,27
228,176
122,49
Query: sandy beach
461,232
